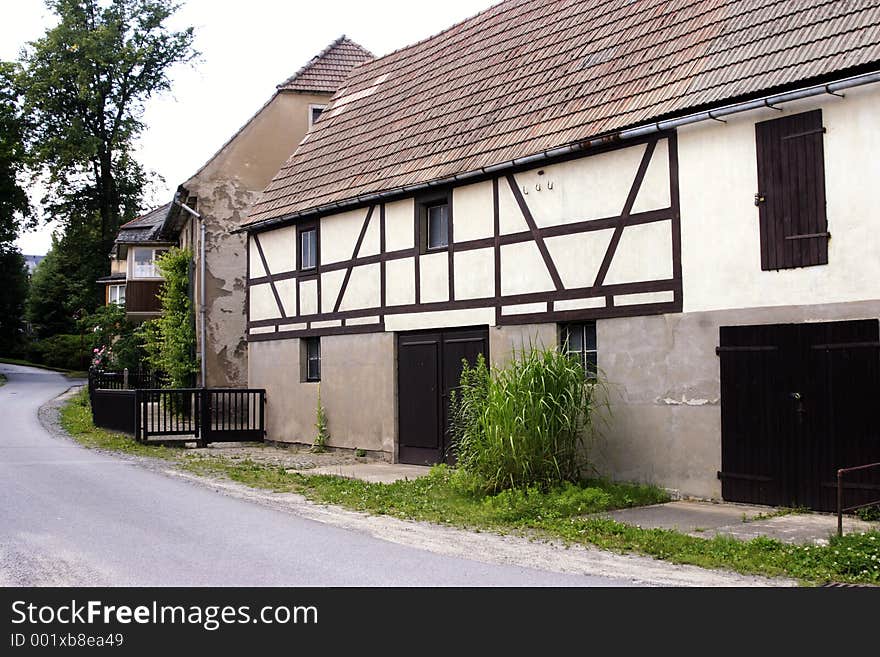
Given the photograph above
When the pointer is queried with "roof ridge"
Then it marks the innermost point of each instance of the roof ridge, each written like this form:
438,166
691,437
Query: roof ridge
314,60
144,214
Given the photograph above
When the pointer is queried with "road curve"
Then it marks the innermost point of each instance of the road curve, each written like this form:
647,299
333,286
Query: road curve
71,516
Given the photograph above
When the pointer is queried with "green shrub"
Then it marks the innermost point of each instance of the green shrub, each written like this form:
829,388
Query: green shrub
170,340
524,424
64,351
108,327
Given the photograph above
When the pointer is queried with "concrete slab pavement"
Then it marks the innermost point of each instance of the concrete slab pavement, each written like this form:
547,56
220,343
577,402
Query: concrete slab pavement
740,521
377,473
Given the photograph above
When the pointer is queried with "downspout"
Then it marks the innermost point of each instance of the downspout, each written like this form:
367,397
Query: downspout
202,308
832,88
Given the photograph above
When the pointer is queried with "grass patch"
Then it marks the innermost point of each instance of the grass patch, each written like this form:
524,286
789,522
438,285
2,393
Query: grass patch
447,496
3,379
70,374
76,419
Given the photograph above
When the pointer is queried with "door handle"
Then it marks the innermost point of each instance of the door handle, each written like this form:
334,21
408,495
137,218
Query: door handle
759,198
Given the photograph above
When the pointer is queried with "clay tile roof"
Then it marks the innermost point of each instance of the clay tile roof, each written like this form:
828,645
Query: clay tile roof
328,69
526,76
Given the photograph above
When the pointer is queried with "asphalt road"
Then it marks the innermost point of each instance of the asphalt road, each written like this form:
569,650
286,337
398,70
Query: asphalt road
71,516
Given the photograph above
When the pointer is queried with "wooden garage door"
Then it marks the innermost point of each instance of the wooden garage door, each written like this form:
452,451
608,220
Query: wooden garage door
428,367
797,403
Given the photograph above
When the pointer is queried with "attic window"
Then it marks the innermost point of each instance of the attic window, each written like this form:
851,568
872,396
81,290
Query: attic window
314,113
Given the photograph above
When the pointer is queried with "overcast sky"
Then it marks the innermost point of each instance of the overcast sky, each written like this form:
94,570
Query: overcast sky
247,46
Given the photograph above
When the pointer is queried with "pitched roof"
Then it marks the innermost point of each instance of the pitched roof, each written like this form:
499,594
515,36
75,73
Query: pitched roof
526,76
328,69
146,228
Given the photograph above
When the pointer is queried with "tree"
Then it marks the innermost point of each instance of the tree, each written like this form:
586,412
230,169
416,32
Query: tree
85,83
170,340
63,284
13,292
14,206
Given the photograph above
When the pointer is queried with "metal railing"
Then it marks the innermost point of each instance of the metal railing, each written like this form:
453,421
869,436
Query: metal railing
840,508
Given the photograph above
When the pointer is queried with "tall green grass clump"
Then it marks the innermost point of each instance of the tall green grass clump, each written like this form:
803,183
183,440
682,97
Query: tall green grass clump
523,424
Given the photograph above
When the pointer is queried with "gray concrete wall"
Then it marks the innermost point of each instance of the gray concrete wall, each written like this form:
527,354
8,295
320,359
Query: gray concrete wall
505,341
357,391
664,391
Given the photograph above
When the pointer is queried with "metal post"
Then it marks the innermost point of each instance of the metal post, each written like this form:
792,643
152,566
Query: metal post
840,502
125,378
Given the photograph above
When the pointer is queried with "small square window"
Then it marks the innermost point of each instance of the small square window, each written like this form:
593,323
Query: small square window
315,113
579,341
116,294
308,248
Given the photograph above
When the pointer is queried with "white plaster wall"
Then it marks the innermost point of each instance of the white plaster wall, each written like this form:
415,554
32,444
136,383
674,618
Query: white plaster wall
308,298
721,257
440,319
523,270
578,257
434,277
262,303
363,288
287,293
473,214
587,188
475,274
400,282
339,233
331,283
370,245
399,219
279,247
644,253
256,265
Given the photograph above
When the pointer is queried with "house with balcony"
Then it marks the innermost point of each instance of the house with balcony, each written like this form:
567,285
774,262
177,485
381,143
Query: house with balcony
134,278
210,205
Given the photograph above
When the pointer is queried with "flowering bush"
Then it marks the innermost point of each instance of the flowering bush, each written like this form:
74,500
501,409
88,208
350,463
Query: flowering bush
102,357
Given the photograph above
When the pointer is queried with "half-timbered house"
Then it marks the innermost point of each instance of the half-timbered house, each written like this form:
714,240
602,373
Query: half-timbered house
683,193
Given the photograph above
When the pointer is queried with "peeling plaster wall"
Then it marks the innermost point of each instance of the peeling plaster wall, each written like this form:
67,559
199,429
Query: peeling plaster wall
223,204
226,187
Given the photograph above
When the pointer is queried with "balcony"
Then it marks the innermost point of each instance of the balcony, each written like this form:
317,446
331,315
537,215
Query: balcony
143,297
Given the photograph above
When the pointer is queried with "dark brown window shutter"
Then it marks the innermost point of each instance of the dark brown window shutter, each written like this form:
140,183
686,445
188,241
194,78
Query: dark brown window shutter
791,193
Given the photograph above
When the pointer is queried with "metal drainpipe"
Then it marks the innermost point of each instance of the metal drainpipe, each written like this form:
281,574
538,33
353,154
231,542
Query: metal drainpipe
202,308
831,88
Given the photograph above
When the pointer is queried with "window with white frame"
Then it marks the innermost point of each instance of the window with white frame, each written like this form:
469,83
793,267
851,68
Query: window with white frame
144,262
116,294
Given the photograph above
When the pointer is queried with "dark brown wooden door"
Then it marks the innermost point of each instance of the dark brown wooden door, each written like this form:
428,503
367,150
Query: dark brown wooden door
797,403
428,368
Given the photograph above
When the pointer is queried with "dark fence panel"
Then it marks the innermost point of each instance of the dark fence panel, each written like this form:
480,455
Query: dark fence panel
234,414
170,412
116,410
209,415
107,380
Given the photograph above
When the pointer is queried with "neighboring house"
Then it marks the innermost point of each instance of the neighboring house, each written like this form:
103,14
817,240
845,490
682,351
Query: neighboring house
219,195
639,183
224,189
134,279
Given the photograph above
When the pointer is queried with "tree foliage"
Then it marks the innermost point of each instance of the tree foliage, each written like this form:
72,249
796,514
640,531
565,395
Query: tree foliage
170,340
63,286
84,85
13,291
14,206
